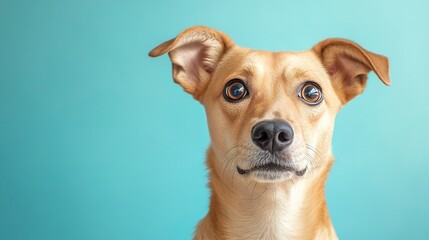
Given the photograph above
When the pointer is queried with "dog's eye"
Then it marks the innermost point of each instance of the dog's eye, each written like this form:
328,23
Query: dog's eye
311,94
235,90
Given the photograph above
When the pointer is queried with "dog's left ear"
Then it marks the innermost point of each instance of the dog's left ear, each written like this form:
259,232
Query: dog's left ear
348,64
194,53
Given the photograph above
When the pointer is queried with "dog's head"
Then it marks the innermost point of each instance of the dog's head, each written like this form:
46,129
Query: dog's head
270,114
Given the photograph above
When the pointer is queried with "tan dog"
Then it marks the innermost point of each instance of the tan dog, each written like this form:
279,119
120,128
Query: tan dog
271,117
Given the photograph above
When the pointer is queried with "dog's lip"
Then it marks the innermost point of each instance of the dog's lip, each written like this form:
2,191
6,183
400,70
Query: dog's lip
271,167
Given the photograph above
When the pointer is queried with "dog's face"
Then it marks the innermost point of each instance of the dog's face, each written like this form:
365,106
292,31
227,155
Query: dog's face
270,114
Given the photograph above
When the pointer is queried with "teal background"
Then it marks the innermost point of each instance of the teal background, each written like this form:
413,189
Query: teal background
96,142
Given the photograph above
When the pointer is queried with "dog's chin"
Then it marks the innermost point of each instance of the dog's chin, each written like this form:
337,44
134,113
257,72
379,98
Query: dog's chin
272,176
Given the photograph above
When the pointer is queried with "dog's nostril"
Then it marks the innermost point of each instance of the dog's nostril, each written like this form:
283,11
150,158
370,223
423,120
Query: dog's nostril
283,137
263,136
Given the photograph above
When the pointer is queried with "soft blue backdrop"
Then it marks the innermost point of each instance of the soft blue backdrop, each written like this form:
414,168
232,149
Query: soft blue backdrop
96,142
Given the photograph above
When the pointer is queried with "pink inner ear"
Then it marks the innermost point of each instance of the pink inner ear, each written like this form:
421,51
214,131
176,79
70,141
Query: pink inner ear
192,57
349,67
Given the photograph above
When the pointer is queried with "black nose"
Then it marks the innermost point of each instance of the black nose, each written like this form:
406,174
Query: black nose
272,135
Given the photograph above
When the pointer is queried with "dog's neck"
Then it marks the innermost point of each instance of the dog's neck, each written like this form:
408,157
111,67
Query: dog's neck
245,210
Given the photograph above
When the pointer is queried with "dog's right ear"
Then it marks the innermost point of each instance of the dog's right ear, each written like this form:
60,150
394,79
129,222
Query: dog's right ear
194,53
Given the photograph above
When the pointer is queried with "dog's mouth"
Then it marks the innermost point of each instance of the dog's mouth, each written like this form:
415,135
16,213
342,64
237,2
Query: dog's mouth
271,167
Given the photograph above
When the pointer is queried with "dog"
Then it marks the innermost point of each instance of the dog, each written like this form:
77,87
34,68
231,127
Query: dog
271,118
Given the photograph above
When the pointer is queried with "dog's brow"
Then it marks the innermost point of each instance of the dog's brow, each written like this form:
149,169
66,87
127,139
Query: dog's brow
248,71
297,73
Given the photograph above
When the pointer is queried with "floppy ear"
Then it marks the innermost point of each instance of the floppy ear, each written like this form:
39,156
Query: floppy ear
348,65
194,53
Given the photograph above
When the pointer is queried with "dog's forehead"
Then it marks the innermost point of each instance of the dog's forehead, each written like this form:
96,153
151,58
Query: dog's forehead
257,64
